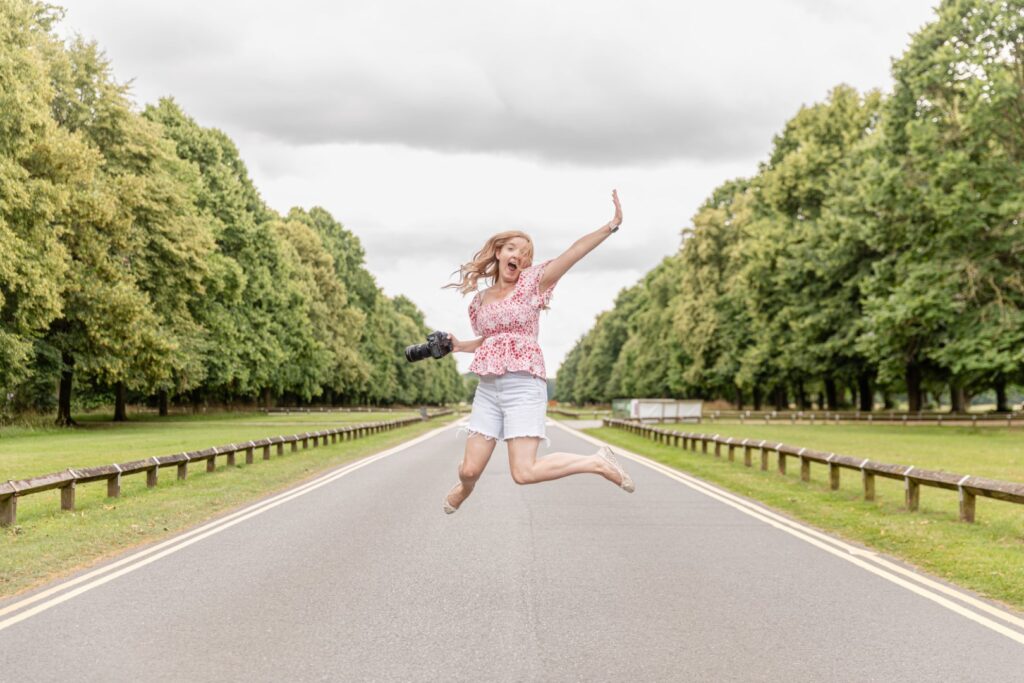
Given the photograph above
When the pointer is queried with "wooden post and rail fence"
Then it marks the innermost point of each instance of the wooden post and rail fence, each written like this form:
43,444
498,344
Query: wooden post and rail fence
913,478
68,480
889,416
828,417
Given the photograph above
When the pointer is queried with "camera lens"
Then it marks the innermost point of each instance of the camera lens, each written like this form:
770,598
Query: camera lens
415,352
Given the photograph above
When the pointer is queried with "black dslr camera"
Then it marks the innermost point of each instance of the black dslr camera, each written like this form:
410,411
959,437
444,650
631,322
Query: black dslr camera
438,344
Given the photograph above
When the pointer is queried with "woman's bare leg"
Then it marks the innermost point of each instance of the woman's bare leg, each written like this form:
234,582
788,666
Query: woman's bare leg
527,469
477,455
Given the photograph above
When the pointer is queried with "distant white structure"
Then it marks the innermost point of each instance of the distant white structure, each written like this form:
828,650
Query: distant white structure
654,409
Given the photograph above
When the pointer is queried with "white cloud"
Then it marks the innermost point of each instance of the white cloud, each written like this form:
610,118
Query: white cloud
426,127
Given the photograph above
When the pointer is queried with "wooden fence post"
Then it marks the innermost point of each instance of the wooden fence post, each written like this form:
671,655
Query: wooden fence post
833,473
732,450
248,453
912,490
231,456
152,474
747,448
764,456
9,510
782,458
67,494
183,468
805,466
211,462
718,447
966,501
869,481
114,483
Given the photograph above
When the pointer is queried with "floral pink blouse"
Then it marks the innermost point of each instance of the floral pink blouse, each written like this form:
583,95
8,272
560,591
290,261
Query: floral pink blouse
510,327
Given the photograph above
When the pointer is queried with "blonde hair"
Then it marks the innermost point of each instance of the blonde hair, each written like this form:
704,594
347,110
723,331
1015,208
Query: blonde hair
485,263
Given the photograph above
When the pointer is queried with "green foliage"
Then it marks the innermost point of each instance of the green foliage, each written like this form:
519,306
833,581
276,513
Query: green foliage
877,248
139,254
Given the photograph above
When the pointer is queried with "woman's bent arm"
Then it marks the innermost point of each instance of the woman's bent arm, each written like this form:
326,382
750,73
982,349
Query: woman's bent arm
580,248
467,346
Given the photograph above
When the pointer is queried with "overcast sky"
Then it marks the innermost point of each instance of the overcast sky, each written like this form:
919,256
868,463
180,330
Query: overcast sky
427,127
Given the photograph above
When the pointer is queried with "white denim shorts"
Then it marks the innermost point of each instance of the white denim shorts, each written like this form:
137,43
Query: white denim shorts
509,405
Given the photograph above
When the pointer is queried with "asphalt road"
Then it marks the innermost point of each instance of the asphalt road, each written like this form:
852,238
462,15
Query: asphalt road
363,577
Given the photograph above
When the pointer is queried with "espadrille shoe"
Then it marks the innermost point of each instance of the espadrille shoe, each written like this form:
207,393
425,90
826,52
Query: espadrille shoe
447,506
608,455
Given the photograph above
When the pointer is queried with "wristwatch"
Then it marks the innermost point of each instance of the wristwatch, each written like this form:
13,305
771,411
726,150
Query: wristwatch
614,227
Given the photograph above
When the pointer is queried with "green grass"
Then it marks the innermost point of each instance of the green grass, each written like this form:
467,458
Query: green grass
987,556
47,542
994,452
28,452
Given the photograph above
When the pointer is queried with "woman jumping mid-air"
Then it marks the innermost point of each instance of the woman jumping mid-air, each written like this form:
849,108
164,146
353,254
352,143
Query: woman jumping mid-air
511,398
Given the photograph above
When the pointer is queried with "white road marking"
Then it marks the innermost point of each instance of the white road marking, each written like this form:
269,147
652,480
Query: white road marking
834,546
135,561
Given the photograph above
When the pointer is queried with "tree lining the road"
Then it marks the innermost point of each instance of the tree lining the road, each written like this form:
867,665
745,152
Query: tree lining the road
876,252
140,260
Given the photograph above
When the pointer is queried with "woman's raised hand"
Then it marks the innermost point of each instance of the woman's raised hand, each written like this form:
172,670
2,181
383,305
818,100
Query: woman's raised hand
617,220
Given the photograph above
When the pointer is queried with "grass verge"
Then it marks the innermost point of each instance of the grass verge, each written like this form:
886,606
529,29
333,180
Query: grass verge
986,557
994,452
47,543
27,452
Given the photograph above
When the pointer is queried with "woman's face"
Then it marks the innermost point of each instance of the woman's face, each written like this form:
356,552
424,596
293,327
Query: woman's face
512,258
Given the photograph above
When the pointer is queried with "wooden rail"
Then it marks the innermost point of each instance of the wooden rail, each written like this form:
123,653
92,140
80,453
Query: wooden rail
577,414
332,409
826,416
966,486
68,480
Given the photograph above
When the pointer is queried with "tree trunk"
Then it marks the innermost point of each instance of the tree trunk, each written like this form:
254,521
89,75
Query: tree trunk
67,374
119,401
162,396
781,397
1001,405
739,399
957,398
830,393
196,402
266,397
866,393
757,397
801,396
887,403
913,379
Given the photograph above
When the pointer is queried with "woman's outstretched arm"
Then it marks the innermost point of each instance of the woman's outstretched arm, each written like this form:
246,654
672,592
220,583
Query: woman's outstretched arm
580,248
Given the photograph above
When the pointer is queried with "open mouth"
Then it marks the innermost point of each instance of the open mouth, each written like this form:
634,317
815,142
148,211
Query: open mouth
512,266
